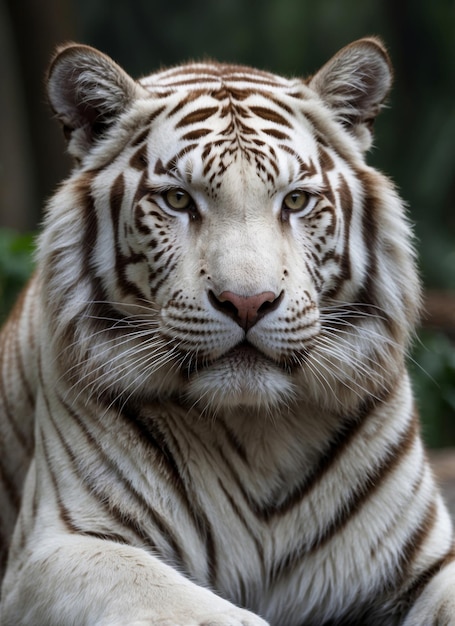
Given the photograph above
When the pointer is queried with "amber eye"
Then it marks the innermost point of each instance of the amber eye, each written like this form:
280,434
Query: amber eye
178,199
296,200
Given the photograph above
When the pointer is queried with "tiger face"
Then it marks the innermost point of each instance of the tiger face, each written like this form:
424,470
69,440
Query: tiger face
225,236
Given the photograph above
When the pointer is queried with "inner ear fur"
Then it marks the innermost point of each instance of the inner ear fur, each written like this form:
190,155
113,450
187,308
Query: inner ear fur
356,81
87,91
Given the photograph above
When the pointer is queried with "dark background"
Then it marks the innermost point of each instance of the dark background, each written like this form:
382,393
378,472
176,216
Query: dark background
415,136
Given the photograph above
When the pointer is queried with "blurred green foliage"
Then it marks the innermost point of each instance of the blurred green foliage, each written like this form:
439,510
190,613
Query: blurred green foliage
16,264
433,373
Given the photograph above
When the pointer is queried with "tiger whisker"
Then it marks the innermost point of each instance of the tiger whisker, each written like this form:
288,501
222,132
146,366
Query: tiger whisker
336,370
111,368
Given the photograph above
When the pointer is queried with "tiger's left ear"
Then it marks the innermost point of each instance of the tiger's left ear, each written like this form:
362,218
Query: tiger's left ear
355,83
87,91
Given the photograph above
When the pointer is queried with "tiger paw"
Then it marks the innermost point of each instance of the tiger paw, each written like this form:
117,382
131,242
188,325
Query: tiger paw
209,611
236,617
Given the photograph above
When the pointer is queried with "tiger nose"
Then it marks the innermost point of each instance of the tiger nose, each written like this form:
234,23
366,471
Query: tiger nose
245,310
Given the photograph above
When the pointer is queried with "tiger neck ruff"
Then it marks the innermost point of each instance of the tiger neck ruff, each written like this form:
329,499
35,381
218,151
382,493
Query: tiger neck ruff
206,417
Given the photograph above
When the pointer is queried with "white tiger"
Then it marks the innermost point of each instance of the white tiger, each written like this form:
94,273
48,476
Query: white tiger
211,355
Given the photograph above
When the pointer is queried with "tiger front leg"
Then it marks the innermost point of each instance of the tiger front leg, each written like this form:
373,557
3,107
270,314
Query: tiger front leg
76,581
436,605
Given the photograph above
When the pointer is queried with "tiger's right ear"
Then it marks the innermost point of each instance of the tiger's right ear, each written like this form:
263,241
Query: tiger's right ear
354,84
87,91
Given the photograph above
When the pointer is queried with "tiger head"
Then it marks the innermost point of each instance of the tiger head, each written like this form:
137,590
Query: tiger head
221,238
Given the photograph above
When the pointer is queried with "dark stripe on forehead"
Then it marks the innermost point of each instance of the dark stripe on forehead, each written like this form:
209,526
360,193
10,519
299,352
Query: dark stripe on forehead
213,69
270,115
305,169
273,132
200,115
280,103
141,137
196,134
187,99
231,92
145,131
325,159
176,158
139,159
192,81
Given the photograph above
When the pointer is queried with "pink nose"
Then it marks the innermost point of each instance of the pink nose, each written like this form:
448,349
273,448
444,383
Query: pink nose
245,310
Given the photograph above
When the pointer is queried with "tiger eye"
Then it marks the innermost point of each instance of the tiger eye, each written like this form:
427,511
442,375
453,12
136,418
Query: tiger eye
178,199
296,200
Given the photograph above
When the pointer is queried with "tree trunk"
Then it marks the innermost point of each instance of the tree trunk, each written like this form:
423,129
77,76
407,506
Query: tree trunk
31,149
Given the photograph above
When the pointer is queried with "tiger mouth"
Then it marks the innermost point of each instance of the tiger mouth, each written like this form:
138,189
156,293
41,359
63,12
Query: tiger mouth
243,354
244,349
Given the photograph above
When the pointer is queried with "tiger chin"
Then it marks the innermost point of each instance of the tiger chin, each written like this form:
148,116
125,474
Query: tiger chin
205,413
242,378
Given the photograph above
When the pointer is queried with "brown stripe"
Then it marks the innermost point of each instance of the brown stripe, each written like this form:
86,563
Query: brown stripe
122,261
10,335
162,275
4,549
347,431
10,489
233,441
9,415
337,145
372,480
196,134
325,160
172,163
186,99
139,159
141,137
90,223
26,389
143,134
239,514
151,435
412,548
199,516
192,81
251,80
121,516
64,512
276,133
340,441
270,115
303,167
280,103
200,115
345,196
